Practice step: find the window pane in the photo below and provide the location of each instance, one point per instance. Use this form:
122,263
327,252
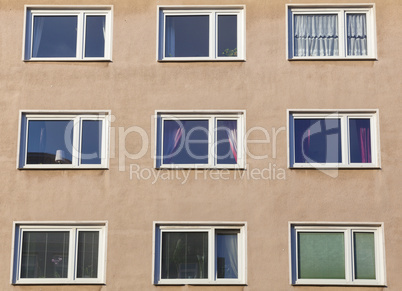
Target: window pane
185,142
88,252
50,142
95,36
44,254
360,140
227,257
91,147
227,35
54,36
321,255
316,35
356,34
364,255
187,36
318,141
184,255
226,143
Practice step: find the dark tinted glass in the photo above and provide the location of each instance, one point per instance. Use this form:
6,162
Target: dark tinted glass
91,147
54,36
317,141
95,36
184,255
360,140
44,254
187,36
50,142
227,35
88,252
226,142
185,142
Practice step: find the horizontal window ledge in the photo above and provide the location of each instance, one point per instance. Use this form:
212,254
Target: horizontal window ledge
200,168
63,168
336,167
333,59
68,60
200,60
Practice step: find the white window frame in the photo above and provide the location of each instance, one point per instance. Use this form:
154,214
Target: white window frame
348,228
73,228
344,116
213,12
212,117
341,10
77,117
212,228
67,10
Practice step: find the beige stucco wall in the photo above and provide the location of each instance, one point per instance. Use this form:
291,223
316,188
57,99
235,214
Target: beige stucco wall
134,85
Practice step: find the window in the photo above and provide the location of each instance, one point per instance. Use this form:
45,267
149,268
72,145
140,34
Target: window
337,254
198,253
64,140
59,253
331,32
200,33
333,139
200,139
68,33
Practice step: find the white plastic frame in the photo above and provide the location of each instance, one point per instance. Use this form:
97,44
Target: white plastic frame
213,12
73,228
348,229
343,116
341,10
212,228
212,117
62,10
77,117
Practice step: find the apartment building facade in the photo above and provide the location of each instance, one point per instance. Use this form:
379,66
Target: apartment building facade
200,145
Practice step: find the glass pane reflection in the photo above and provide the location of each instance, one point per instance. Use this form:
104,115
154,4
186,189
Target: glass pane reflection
50,142
54,36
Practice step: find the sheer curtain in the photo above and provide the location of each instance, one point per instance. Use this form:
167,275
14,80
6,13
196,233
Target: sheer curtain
227,256
170,38
231,130
316,35
356,34
37,34
172,138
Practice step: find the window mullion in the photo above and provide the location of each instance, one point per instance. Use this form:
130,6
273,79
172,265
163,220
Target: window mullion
212,141
211,254
345,140
80,35
212,34
342,33
77,142
349,256
71,255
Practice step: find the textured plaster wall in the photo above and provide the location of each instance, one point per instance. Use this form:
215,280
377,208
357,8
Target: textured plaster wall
134,85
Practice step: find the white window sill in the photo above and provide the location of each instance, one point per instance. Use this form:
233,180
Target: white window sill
64,167
365,58
228,59
334,167
68,60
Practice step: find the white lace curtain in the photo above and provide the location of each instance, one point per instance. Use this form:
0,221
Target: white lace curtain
318,35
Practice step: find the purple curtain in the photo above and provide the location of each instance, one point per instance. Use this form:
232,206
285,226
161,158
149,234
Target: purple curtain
365,150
